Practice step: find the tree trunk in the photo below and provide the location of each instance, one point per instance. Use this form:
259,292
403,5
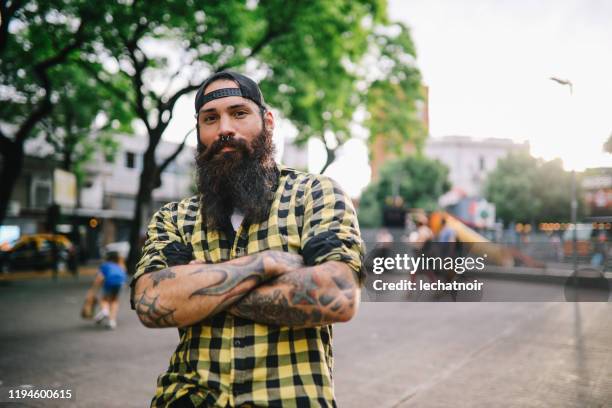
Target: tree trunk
331,156
142,207
12,163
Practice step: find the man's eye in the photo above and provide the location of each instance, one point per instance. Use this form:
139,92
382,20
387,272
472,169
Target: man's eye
208,119
240,114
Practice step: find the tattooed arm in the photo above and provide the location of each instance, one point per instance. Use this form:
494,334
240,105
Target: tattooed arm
305,297
183,295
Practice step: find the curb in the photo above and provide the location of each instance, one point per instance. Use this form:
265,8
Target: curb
46,274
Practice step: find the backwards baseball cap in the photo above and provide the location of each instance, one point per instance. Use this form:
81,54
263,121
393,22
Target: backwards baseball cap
247,88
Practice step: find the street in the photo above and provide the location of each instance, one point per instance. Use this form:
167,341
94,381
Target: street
390,355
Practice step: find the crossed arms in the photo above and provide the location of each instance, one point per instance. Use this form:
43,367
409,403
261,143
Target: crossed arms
271,287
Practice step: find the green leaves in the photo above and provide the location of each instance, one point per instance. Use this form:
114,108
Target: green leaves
392,100
419,181
528,190
116,62
607,147
309,79
145,55
511,188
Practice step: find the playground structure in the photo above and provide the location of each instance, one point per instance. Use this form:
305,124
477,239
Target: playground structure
479,245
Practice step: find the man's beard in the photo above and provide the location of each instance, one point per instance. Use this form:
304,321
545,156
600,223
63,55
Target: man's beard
244,179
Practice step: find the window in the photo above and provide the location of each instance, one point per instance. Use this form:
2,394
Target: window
25,246
41,192
130,160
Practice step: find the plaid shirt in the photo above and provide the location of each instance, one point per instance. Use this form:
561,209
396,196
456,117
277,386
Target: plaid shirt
230,361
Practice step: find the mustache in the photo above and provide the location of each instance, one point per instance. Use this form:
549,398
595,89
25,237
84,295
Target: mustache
221,143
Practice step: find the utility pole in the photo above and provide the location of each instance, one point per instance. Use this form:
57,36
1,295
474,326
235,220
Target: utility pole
574,201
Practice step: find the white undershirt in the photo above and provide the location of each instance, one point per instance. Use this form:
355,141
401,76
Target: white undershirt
236,219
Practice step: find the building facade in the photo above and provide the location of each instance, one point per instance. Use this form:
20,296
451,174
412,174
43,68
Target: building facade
105,204
470,160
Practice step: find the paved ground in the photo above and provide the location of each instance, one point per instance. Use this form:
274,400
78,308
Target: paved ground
391,355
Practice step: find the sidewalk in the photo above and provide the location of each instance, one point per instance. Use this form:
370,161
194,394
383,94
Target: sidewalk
89,269
422,354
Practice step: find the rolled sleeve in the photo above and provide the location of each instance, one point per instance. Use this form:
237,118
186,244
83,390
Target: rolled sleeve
330,229
164,246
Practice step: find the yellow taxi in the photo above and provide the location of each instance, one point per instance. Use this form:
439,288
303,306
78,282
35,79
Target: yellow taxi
36,252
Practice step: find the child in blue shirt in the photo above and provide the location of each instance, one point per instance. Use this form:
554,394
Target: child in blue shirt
111,278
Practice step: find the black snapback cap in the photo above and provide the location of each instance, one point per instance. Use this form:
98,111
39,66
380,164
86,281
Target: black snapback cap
247,88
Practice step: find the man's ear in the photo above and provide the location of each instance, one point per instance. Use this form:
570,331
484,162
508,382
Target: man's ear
269,120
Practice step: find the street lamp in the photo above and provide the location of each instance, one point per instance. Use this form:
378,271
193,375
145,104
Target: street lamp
574,202
564,82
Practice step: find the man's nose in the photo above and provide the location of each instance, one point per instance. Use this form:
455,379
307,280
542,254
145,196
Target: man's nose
226,126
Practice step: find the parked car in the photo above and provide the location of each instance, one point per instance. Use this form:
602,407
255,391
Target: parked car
36,252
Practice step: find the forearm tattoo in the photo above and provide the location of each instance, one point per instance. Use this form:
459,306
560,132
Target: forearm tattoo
223,281
301,298
273,308
159,276
229,275
152,314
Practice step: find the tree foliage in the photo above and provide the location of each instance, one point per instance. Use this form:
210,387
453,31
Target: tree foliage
316,84
608,145
418,180
392,99
38,44
300,47
99,66
528,190
77,130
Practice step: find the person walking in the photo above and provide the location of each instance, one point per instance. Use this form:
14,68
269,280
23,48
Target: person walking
110,279
421,240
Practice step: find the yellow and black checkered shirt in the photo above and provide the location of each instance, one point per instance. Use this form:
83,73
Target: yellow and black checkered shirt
230,361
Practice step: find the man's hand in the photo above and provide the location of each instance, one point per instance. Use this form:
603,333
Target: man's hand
275,263
303,297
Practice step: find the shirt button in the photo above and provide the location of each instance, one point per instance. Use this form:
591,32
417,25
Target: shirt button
237,343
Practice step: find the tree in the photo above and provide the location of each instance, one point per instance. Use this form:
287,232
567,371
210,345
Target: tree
608,145
38,41
418,180
511,188
84,121
553,187
527,190
317,85
144,58
381,77
392,98
301,46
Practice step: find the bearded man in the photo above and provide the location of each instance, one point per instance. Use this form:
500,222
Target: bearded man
253,270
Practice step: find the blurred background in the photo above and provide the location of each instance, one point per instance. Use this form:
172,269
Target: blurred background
494,116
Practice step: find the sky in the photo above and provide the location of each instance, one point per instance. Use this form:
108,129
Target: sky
488,66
